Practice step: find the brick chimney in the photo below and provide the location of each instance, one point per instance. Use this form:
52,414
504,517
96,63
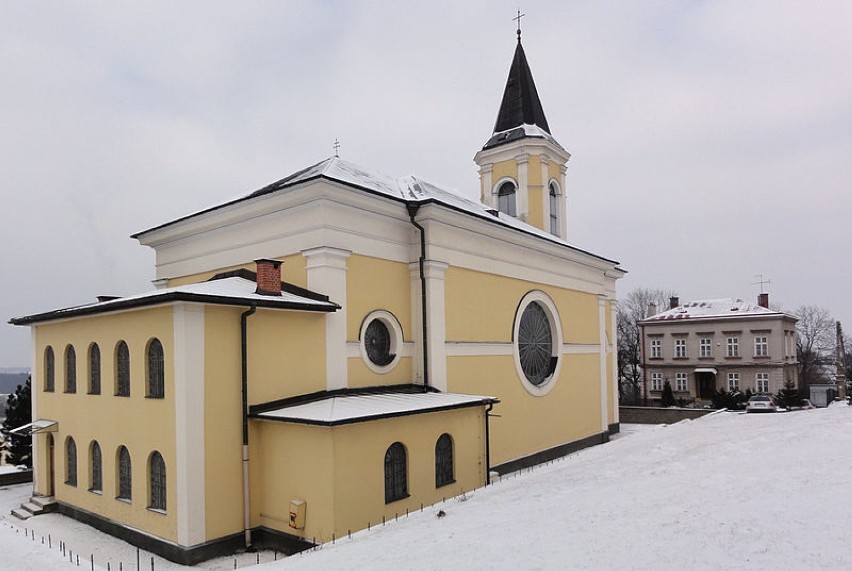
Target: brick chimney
652,309
674,301
268,277
763,300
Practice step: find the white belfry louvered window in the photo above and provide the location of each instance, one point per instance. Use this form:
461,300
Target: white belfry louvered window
506,199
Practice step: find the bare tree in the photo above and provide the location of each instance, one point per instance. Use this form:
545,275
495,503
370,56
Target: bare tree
815,344
632,309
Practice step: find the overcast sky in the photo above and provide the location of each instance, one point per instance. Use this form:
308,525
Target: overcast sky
711,141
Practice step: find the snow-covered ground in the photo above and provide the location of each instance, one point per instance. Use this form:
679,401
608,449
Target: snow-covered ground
728,491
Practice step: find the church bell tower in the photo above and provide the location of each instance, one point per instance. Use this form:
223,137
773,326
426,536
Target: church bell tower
522,167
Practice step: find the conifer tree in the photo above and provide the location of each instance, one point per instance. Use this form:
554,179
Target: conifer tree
19,413
788,396
667,398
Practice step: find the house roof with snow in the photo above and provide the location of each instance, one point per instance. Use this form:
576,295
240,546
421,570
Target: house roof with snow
237,288
707,309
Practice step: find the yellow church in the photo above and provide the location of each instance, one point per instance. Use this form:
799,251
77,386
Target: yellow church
333,349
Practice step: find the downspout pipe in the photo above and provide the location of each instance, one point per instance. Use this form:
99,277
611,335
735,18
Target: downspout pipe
244,354
413,208
488,444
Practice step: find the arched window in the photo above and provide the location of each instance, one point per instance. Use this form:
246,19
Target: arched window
122,370
49,368
554,210
94,369
124,474
156,369
444,461
70,462
506,199
396,473
157,482
95,467
70,369
535,343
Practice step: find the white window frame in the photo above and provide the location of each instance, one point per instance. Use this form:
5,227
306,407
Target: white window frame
706,347
656,349
761,346
681,382
733,344
733,382
680,348
761,379
656,381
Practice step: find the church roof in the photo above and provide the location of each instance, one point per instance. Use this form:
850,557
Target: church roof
521,113
226,291
360,405
408,189
722,308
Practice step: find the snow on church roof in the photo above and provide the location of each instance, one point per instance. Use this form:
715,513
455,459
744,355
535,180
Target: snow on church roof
713,309
339,409
225,291
410,189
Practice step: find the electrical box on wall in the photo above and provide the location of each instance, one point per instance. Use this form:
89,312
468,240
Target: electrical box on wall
297,514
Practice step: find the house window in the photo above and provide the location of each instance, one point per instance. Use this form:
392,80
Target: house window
656,381
122,370
681,382
70,369
762,382
49,369
680,348
156,370
506,199
396,473
124,474
656,349
733,346
70,462
94,369
733,382
157,478
96,467
761,347
554,210
444,461
706,346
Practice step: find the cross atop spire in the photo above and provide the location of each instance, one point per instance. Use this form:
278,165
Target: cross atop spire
518,20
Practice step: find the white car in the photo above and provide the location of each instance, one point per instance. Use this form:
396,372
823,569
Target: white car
760,403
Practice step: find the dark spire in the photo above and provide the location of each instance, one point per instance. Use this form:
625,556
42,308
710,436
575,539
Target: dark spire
521,104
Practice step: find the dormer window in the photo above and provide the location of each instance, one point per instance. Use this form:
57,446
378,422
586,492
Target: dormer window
506,199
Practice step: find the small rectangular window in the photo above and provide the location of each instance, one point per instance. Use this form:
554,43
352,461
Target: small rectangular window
656,349
733,346
733,382
761,347
706,345
680,348
656,381
762,382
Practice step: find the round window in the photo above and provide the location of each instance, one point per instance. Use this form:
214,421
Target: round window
535,345
377,343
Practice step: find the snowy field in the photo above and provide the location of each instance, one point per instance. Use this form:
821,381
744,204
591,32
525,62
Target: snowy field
728,491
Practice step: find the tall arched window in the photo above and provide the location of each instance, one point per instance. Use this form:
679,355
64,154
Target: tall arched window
444,461
396,473
96,467
506,199
124,473
94,369
554,210
70,369
122,370
49,369
156,369
70,462
157,482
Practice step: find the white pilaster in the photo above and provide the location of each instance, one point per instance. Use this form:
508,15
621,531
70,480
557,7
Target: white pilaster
416,322
436,322
326,269
563,203
613,356
35,385
523,197
486,191
602,353
188,351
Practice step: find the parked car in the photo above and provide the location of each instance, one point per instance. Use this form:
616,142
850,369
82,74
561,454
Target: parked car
760,403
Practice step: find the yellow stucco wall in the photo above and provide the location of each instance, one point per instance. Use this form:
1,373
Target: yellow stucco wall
141,424
339,471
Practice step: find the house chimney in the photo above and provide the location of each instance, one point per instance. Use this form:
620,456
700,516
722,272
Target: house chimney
268,277
652,309
674,301
763,300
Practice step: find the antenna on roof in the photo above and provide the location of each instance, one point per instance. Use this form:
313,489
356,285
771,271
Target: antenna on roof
518,19
761,282
336,147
